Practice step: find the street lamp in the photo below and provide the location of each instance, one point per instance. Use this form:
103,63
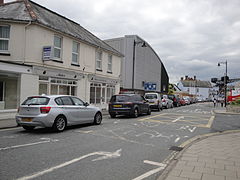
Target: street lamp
143,44
225,82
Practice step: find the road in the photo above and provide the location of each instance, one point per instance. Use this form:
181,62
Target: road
121,148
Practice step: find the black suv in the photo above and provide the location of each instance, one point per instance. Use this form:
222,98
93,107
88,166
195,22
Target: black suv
128,104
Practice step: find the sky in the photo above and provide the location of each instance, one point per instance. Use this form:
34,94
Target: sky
190,36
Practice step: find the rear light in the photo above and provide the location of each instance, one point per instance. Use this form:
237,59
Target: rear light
128,103
163,100
174,99
45,110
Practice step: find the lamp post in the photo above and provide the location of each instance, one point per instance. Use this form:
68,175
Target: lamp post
134,58
225,82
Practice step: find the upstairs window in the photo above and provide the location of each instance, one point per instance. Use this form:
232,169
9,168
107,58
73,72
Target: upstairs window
75,52
4,38
99,60
57,47
109,64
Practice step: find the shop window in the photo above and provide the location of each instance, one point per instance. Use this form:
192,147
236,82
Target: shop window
92,95
43,89
98,95
64,90
4,38
54,89
1,91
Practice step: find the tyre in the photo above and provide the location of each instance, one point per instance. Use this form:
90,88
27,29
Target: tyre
113,115
135,113
60,124
149,111
98,118
28,128
158,108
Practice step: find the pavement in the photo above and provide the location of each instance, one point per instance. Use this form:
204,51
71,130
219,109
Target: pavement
214,156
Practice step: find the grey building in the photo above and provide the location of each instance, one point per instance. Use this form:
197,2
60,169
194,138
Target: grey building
142,70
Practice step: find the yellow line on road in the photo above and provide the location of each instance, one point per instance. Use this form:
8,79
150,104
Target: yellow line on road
210,121
152,117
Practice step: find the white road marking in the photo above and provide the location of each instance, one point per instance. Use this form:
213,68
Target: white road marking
177,139
161,166
105,155
179,118
192,130
9,129
46,140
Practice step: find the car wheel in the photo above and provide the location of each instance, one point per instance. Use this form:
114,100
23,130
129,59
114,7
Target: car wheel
135,113
167,106
113,115
98,118
28,128
158,108
60,124
149,111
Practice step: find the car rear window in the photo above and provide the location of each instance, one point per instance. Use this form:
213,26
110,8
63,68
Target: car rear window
151,96
120,99
36,101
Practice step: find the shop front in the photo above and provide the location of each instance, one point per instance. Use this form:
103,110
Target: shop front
102,89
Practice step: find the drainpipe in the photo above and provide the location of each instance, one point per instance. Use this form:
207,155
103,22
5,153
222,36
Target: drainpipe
25,40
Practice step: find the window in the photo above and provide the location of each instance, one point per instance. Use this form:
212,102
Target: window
4,38
1,91
57,47
77,101
66,101
99,61
109,63
36,101
75,52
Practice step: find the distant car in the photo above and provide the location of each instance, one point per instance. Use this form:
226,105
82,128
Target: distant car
182,102
175,99
187,100
166,102
155,100
128,104
56,111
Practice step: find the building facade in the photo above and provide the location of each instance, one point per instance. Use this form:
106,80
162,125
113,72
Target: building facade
42,52
197,88
142,69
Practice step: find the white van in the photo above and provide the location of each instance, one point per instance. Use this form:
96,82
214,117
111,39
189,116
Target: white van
154,100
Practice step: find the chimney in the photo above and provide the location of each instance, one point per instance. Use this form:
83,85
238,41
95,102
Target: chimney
186,77
195,78
1,2
181,78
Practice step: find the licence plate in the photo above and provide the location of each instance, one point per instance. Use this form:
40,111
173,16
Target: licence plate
151,102
27,119
117,105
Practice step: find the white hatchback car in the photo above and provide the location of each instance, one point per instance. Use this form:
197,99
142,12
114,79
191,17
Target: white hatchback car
155,100
56,111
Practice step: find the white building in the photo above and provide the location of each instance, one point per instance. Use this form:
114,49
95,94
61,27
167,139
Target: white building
42,52
196,88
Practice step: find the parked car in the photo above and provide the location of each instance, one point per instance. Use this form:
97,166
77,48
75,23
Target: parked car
175,99
128,104
56,111
166,102
187,100
182,102
155,100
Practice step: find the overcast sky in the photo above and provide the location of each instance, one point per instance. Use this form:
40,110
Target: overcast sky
190,36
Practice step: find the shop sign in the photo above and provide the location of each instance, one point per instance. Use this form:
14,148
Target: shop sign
47,53
149,86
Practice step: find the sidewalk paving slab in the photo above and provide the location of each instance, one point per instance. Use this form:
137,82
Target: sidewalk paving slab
214,157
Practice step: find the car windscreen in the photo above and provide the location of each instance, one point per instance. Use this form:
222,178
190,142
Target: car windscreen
120,99
151,96
36,101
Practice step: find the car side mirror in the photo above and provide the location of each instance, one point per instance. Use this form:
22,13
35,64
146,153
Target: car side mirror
86,104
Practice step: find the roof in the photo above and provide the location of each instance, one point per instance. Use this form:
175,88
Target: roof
26,10
196,83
